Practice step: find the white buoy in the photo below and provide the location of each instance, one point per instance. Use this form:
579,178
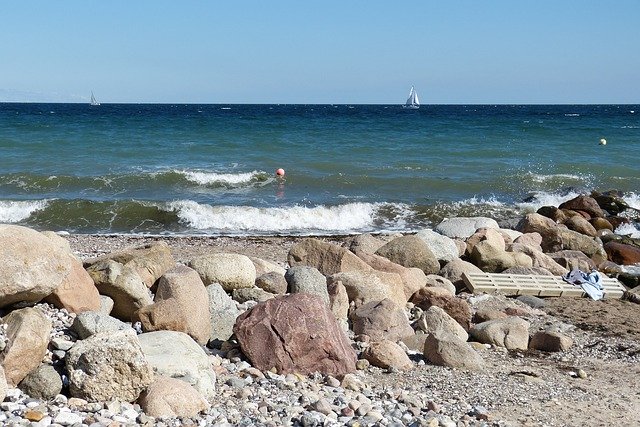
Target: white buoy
603,141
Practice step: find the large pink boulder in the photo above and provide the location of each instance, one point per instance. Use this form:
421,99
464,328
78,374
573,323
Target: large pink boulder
295,333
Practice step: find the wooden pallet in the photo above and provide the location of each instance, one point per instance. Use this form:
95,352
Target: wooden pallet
538,285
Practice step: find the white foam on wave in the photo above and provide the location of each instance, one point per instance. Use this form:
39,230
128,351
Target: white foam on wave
632,199
16,211
542,198
572,115
628,230
298,219
540,178
208,178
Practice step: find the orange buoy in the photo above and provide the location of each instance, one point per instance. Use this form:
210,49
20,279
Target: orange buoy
280,172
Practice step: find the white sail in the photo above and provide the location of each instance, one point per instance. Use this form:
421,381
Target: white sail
412,101
94,101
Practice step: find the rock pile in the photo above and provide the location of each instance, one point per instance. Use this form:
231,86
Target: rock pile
134,337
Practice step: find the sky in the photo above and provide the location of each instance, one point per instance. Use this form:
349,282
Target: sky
348,51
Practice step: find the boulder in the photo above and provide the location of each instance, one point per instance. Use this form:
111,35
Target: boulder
263,267
338,301
509,235
601,224
91,322
495,260
539,259
572,240
455,307
123,284
222,313
546,227
511,333
243,295
387,354
170,397
461,228
381,320
3,385
295,333
148,262
272,282
453,271
365,243
176,355
448,350
231,271
364,287
442,247
108,366
538,271
415,342
572,260
42,383
77,293
552,212
306,279
436,321
410,251
550,341
585,204
33,265
412,278
533,240
181,304
435,281
611,201
27,334
106,304
328,258
490,235
581,225
622,254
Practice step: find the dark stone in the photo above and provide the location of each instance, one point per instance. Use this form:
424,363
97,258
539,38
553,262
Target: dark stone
584,203
622,254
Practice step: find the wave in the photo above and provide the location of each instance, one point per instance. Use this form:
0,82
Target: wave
550,178
629,230
16,211
233,179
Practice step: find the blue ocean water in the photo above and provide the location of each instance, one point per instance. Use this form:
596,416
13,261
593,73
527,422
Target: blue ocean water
209,169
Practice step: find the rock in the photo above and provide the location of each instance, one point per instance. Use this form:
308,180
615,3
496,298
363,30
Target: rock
77,293
306,279
170,397
272,282
572,240
410,251
387,354
416,341
530,239
91,322
436,321
176,355
364,287
365,243
27,336
572,260
33,265
243,295
581,225
265,267
338,301
64,418
532,301
495,260
3,384
462,228
583,203
447,350
381,320
231,271
546,227
453,271
509,235
490,235
294,333
621,253
412,278
42,383
485,314
181,304
106,304
601,224
148,262
539,271
222,313
108,366
552,212
511,333
550,341
123,284
435,281
539,259
326,257
442,247
455,307
610,201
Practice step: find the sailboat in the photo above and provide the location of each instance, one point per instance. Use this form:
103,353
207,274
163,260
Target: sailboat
94,101
412,102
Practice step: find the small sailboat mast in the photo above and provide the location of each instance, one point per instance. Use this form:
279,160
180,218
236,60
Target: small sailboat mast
412,101
94,101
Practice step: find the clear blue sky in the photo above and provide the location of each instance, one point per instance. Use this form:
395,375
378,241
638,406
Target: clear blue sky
321,51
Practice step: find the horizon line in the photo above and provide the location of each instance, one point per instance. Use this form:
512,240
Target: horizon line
303,103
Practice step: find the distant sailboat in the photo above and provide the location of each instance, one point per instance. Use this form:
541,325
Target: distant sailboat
94,101
412,102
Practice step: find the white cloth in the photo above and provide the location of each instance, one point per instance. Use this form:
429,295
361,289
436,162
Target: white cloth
591,283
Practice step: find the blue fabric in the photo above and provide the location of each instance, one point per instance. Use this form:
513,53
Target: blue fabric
591,283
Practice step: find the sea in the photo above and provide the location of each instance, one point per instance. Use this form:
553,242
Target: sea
187,169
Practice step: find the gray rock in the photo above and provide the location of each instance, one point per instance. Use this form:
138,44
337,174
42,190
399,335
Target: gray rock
42,383
454,270
91,322
532,301
551,341
443,247
410,251
462,228
436,321
3,384
223,313
272,282
307,279
231,271
381,320
447,350
251,294
511,333
435,281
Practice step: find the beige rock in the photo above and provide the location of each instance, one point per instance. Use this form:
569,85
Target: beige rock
231,271
447,350
365,243
410,251
495,260
326,257
387,354
338,300
581,225
511,333
490,235
363,287
436,321
412,278
530,239
539,258
551,341
381,320
181,304
263,267
3,384
435,281
453,271
77,293
27,332
272,282
170,397
455,307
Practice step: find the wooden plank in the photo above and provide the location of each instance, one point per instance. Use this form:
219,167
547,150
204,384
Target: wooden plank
537,285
